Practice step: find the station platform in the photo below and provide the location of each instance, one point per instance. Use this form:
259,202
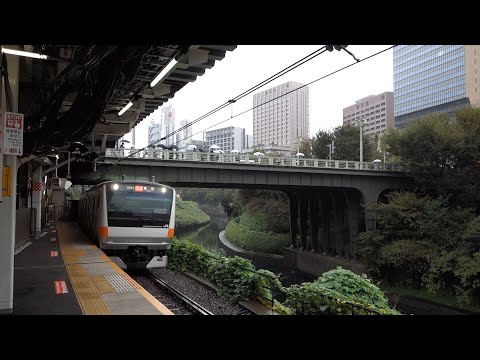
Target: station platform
63,273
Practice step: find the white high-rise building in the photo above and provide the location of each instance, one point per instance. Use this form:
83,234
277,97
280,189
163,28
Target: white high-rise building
184,135
281,120
162,128
227,139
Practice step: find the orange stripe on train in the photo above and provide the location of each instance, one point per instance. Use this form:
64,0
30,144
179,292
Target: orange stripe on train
102,231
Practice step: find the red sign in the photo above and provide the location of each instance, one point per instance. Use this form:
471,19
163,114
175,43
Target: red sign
14,121
61,287
53,253
13,134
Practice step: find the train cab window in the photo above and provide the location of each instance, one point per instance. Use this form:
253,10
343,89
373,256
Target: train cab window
138,205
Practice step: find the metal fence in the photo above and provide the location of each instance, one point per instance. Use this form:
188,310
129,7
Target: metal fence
167,155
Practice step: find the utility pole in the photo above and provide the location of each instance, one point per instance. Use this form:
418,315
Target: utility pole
331,148
361,123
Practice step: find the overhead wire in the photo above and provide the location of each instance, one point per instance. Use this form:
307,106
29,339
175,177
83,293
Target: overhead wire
238,97
311,82
254,88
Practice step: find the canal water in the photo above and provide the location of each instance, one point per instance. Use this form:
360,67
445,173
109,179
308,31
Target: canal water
207,236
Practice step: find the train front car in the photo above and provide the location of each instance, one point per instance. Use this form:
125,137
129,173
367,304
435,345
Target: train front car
140,222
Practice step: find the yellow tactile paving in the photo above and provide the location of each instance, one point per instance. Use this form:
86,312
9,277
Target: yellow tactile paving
88,295
103,285
88,289
160,307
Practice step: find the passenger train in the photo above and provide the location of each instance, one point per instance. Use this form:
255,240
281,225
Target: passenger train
133,222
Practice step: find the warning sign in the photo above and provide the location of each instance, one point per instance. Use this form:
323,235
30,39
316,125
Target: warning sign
61,287
13,134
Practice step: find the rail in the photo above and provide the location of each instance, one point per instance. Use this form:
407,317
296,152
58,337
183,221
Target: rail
168,155
185,299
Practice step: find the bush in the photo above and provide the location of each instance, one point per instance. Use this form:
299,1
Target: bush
233,275
421,241
188,214
338,292
268,243
406,261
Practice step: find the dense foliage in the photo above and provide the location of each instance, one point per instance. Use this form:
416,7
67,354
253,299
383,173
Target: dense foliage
264,242
211,197
424,241
347,144
338,292
188,214
261,222
335,292
431,238
234,276
443,155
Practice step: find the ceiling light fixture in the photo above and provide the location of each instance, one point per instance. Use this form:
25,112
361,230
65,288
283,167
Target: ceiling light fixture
128,106
165,71
24,53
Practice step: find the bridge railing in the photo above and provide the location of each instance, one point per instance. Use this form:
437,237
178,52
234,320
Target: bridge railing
159,154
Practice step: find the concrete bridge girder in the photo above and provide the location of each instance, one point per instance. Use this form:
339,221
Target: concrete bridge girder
328,207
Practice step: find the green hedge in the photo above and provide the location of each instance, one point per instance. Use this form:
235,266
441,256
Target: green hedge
188,214
233,275
335,292
268,243
265,222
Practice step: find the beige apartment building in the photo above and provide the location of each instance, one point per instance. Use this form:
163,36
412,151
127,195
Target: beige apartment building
375,110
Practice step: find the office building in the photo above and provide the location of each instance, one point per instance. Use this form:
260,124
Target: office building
434,79
281,116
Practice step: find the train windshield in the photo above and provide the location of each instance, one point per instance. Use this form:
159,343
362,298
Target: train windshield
138,205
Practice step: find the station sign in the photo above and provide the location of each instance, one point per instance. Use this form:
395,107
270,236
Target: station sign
12,134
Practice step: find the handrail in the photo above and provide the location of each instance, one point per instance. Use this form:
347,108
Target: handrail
168,155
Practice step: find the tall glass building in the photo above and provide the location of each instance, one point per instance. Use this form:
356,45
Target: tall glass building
433,78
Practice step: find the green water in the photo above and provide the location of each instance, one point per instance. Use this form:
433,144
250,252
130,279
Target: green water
207,235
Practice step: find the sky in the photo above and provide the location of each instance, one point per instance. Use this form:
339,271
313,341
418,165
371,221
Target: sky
249,65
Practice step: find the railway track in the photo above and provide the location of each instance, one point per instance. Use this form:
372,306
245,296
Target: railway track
173,299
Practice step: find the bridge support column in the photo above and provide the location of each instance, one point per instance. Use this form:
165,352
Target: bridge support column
370,216
354,217
293,202
303,205
338,209
325,221
313,205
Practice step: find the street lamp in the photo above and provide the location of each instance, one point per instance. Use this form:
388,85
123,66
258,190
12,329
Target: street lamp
331,149
361,123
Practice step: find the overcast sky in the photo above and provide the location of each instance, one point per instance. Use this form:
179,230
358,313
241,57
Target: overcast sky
248,65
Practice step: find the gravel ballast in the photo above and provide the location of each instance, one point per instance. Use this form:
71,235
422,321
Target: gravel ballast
197,292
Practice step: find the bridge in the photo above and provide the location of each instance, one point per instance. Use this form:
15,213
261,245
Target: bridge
331,201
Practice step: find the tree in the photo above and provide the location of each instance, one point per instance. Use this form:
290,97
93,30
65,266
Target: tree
319,144
442,155
347,144
306,147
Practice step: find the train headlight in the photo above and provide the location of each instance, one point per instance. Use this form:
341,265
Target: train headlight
164,190
115,186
